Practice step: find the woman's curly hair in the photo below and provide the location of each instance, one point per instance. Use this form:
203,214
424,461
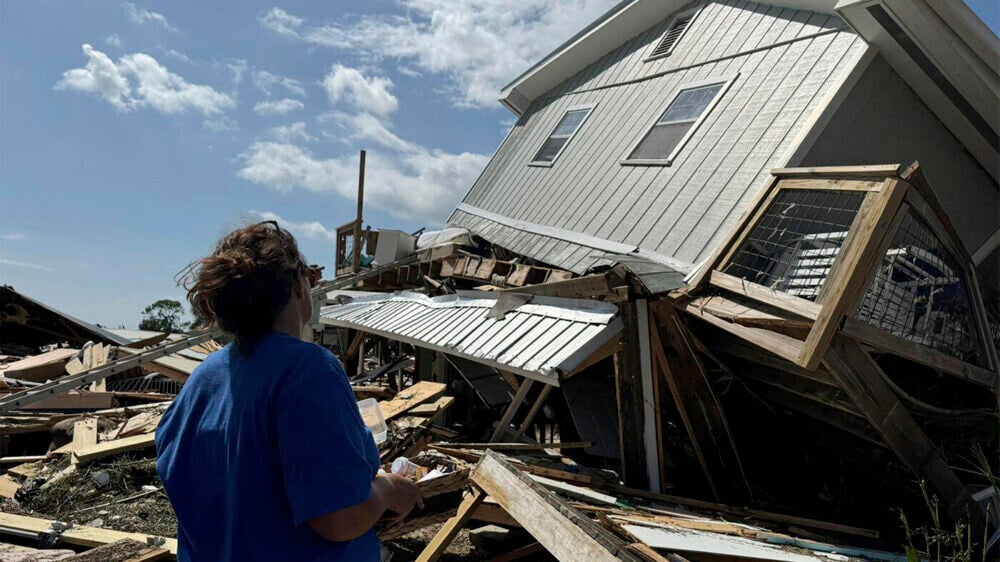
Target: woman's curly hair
246,281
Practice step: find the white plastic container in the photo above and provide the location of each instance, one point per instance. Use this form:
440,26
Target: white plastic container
372,416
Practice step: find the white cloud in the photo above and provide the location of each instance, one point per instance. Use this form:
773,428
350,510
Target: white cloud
14,236
478,45
142,15
154,85
239,68
312,229
173,53
114,41
277,107
220,124
267,82
421,184
347,84
23,264
292,133
281,21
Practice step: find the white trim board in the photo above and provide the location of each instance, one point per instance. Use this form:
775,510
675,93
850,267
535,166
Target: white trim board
577,238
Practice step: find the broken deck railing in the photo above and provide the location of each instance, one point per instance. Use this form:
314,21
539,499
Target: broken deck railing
866,250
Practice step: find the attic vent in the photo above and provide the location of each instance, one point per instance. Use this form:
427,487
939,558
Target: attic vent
673,34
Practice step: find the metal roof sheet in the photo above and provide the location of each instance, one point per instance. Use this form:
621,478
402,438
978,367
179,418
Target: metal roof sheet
539,339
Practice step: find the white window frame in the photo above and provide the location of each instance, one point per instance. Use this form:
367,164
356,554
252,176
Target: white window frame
587,106
669,160
694,15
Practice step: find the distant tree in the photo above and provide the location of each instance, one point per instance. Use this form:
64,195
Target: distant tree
163,315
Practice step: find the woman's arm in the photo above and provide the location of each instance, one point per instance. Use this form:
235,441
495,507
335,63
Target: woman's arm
392,492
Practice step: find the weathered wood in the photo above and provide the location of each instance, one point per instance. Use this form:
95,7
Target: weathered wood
443,538
779,299
853,268
115,447
867,171
352,350
491,512
919,353
864,381
581,287
81,536
508,415
628,395
697,405
406,399
8,486
831,184
20,459
565,532
781,345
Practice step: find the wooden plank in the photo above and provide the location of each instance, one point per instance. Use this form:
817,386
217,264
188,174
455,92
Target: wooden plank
581,287
919,353
628,395
864,381
81,536
450,529
38,368
19,459
352,350
697,405
535,408
8,486
491,512
84,436
565,532
406,399
74,401
432,408
853,268
779,299
830,184
779,344
868,171
512,408
115,447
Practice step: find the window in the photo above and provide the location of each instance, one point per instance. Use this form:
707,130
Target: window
673,128
557,141
672,35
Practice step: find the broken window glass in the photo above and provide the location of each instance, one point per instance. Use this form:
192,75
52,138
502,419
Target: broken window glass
795,243
919,294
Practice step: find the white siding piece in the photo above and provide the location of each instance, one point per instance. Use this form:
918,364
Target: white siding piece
681,540
533,359
537,332
511,334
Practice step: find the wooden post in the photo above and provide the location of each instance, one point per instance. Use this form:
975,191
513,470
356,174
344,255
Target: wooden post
356,263
628,393
697,405
863,380
508,414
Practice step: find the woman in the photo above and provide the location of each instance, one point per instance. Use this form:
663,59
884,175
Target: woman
263,453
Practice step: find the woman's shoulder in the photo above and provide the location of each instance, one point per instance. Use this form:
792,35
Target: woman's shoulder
307,354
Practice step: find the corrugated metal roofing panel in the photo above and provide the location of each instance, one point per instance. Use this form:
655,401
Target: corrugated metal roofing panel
540,339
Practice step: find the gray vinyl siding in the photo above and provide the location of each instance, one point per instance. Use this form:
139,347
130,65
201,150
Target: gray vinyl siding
882,121
681,210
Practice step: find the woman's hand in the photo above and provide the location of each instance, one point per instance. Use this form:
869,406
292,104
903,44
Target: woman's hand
401,495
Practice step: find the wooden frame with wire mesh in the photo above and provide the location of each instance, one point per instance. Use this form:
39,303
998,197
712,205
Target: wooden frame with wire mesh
866,250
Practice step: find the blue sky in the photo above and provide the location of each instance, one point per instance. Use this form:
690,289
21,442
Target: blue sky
133,134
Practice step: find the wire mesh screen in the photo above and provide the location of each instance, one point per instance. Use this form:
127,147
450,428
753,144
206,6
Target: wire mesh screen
795,243
919,294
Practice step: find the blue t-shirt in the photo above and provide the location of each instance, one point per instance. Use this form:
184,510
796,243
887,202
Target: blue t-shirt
255,446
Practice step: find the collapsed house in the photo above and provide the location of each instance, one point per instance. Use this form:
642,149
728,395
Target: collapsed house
699,304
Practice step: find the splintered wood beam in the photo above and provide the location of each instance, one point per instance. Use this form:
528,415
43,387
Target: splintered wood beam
863,380
352,350
568,534
508,415
628,394
450,529
697,405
